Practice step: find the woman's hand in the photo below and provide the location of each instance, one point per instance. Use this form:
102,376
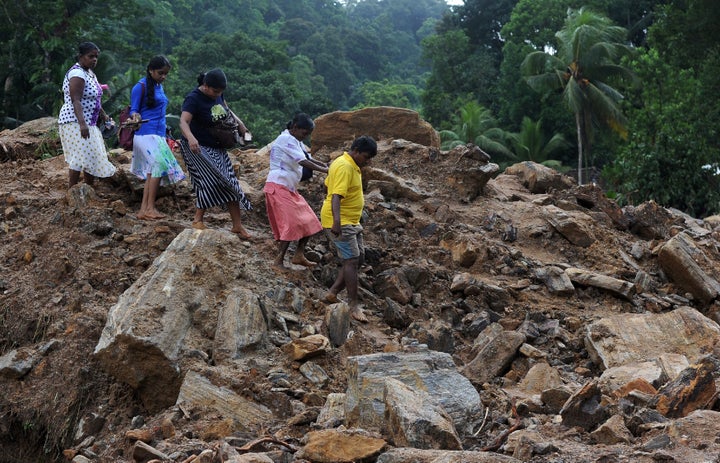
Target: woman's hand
84,129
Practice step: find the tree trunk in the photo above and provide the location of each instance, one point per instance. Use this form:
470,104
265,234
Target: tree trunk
578,126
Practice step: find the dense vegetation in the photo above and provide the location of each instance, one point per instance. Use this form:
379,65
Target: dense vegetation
622,87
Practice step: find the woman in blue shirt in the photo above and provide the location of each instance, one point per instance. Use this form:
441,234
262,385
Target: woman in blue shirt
152,159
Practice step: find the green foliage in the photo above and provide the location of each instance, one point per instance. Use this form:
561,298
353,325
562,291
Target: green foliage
476,124
531,144
586,69
386,93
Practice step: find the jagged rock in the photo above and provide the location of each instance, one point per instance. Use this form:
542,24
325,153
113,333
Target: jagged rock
242,323
142,452
338,129
649,220
556,280
574,226
251,458
555,397
494,355
469,181
614,378
407,455
80,195
520,443
585,408
393,283
392,186
314,373
437,335
198,391
395,315
465,251
540,377
497,298
337,320
693,389
677,258
307,347
413,419
19,362
332,414
629,338
613,431
336,446
621,288
429,371
538,178
700,426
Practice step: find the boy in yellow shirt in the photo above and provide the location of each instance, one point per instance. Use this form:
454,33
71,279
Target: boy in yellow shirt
340,218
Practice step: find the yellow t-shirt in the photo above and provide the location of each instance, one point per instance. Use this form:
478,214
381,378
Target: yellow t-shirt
343,179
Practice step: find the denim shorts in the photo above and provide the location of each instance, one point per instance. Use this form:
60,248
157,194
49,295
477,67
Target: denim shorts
349,244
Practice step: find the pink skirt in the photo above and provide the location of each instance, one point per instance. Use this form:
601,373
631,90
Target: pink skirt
290,216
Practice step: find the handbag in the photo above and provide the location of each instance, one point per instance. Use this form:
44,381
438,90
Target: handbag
307,172
226,132
126,133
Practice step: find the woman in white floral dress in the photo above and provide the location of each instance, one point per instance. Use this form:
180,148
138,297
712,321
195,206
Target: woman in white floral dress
82,141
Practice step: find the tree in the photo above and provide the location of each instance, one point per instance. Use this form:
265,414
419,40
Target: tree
531,144
585,69
476,124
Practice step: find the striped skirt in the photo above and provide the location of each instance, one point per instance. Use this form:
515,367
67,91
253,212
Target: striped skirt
212,176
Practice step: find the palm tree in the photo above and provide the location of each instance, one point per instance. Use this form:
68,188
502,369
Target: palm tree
476,125
585,68
530,143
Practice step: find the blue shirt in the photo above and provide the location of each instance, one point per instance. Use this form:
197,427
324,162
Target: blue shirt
156,114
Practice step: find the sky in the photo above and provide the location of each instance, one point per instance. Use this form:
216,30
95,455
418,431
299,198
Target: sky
454,2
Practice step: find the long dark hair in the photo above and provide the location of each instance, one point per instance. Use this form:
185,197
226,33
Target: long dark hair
85,48
157,62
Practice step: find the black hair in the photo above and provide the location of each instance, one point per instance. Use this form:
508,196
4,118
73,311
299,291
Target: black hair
301,121
156,62
86,47
215,78
365,144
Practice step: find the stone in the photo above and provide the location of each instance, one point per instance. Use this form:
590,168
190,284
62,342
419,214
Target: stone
584,408
142,452
337,320
615,378
314,373
677,258
198,391
631,338
413,419
699,426
242,323
393,283
613,431
649,220
538,178
337,446
391,186
337,130
494,357
574,226
616,286
409,455
693,389
307,347
540,377
332,413
420,368
469,182
556,280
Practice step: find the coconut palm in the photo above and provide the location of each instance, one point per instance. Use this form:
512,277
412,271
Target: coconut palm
531,144
476,125
585,68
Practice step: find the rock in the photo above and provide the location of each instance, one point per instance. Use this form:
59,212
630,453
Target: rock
198,391
332,414
242,323
556,280
616,286
630,338
413,419
469,182
700,426
497,298
436,334
584,408
493,357
649,220
391,186
337,320
408,455
393,283
425,370
615,378
677,258
338,129
142,452
156,316
335,446
395,315
538,178
574,226
540,377
693,389
314,373
465,251
307,347
613,431
80,196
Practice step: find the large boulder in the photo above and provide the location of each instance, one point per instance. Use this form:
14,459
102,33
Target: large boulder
338,129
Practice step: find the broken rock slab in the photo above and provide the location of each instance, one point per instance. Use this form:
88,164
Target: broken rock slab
678,258
198,391
407,455
616,286
693,389
631,338
495,353
340,446
413,419
420,368
165,311
539,178
575,226
242,323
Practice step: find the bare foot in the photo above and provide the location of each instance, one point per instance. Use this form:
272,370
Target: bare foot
329,298
358,314
302,260
243,234
199,226
143,216
155,214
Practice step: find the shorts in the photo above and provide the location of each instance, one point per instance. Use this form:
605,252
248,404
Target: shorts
349,244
